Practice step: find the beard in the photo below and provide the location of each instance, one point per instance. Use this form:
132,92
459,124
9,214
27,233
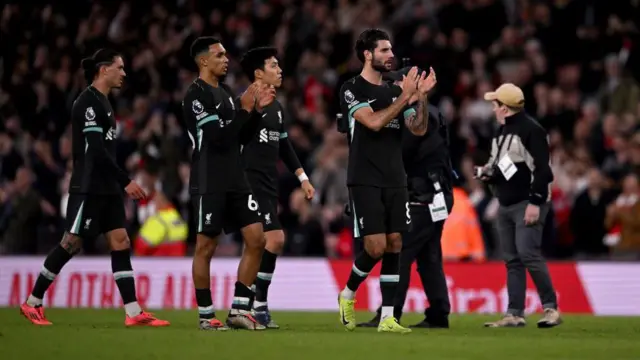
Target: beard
379,66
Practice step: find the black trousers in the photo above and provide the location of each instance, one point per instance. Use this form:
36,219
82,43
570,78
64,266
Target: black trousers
422,244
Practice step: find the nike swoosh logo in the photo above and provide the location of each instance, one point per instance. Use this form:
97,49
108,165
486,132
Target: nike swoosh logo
342,318
371,101
264,115
108,114
217,106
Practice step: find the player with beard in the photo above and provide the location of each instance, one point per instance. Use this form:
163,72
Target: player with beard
96,202
376,177
261,155
221,195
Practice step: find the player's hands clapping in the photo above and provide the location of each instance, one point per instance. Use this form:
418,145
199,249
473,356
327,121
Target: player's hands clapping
427,83
265,95
258,96
249,98
135,191
410,82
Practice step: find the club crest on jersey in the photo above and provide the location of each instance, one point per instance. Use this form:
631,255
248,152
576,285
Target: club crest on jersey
197,107
90,114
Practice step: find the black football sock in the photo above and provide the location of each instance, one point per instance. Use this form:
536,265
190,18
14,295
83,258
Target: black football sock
389,278
361,268
267,267
54,262
242,297
205,305
123,274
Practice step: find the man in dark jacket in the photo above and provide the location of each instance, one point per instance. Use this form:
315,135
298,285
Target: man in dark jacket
520,175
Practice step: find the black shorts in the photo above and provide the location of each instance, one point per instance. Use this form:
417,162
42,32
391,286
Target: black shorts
90,215
268,211
379,210
228,211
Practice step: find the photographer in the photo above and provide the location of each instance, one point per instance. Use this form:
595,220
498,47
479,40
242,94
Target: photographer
519,174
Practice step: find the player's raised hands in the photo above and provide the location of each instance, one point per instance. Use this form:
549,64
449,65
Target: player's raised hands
135,191
249,98
265,94
410,82
427,83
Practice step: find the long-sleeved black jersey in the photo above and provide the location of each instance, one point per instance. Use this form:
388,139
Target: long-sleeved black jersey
265,147
93,128
214,123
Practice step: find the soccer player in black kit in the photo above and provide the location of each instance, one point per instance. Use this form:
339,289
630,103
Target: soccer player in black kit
430,183
96,201
261,155
376,177
221,195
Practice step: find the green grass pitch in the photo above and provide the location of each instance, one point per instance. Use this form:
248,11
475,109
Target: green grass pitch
86,334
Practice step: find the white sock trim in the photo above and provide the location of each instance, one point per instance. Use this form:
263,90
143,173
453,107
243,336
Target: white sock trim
33,301
265,276
205,309
122,274
348,293
358,271
48,274
389,278
238,300
387,311
132,309
258,304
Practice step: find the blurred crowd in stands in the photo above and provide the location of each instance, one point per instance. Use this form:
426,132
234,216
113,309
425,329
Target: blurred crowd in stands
578,62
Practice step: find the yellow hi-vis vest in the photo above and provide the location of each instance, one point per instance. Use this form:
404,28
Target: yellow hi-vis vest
166,226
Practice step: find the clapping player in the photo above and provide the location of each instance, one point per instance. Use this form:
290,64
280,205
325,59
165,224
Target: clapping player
221,195
376,177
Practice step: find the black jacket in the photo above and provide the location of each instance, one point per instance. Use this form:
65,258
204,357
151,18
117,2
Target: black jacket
525,141
426,159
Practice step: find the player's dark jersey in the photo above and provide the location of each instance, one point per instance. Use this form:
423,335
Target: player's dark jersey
214,121
262,152
375,158
93,128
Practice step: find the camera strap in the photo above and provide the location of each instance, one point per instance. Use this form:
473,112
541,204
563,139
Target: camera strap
500,145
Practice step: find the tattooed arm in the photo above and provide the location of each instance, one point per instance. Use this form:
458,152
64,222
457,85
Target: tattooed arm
416,121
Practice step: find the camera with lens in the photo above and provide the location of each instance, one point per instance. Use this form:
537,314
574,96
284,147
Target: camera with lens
487,174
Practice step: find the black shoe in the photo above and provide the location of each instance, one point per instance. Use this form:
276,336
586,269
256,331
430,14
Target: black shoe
425,324
373,323
263,316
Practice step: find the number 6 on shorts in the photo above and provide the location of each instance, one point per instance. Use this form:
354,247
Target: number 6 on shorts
252,204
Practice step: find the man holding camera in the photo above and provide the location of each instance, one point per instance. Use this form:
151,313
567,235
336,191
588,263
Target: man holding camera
520,176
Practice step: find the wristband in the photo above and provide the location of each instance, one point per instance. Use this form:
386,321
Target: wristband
303,177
